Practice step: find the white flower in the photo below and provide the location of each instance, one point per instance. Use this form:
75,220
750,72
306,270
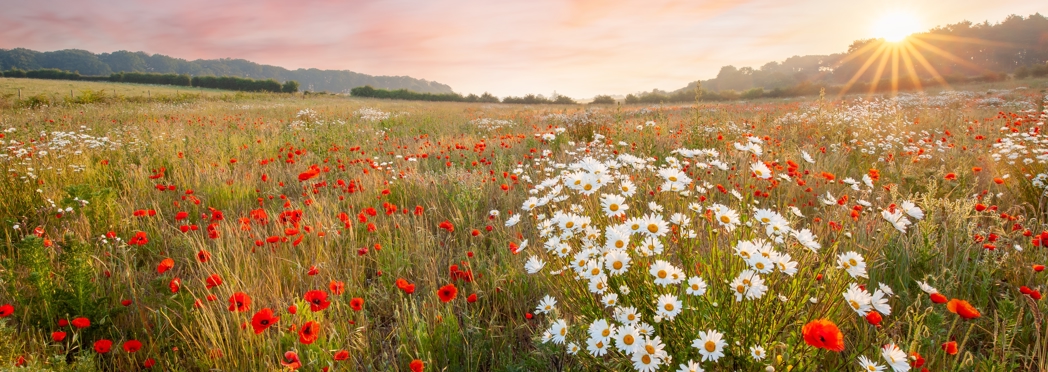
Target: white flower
761,170
807,157
897,219
534,265
896,358
912,210
690,366
927,288
614,205
513,220
807,239
559,330
853,263
573,348
869,365
879,301
548,304
617,262
858,299
627,339
757,352
668,306
710,344
665,273
597,347
600,329
696,286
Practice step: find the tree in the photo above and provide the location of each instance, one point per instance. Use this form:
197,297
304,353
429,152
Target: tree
290,86
603,100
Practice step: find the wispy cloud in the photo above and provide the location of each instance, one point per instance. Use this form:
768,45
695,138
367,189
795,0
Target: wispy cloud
577,47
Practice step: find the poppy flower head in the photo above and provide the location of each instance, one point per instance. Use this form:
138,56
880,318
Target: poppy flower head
309,332
317,300
291,360
950,347
81,323
132,346
823,334
103,346
356,303
263,319
239,302
416,366
58,336
447,293
6,310
962,308
341,355
165,265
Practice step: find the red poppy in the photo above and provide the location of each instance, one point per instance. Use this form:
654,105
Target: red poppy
165,265
950,347
962,308
309,332
132,346
416,366
823,334
918,360
174,285
341,355
139,238
874,318
58,336
356,303
263,319
6,310
1038,268
103,346
938,298
203,256
213,281
81,323
337,288
405,286
308,174
317,300
472,298
446,225
291,360
239,302
149,363
447,293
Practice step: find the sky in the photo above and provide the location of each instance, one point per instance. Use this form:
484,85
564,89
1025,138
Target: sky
577,48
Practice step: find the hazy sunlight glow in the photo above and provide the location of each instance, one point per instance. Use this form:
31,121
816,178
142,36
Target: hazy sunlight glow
895,27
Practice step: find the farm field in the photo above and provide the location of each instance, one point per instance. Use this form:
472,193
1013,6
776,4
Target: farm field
259,232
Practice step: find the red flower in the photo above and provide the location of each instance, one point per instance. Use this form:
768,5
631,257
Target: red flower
341,355
416,366
472,298
309,332
938,298
291,360
58,336
103,346
918,360
823,334
1038,268
139,238
203,256
262,320
132,346
213,281
950,347
317,300
405,286
165,265
149,363
446,225
962,308
874,318
6,310
447,293
308,174
356,303
239,302
81,323
337,288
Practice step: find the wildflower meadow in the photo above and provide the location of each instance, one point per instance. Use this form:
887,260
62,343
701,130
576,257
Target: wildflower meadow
323,233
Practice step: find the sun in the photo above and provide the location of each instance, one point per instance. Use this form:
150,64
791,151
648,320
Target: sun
896,26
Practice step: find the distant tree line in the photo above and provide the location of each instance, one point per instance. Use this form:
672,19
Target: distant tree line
105,64
404,94
222,82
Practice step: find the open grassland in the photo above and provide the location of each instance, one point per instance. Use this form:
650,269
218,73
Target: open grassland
266,232
38,92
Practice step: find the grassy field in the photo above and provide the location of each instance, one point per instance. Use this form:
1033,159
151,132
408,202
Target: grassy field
244,232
